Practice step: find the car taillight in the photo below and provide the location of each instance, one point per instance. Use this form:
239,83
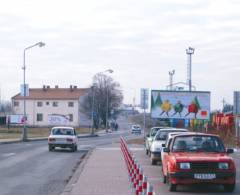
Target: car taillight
69,140
52,139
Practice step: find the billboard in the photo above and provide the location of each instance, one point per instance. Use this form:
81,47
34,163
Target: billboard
57,119
15,119
236,102
180,104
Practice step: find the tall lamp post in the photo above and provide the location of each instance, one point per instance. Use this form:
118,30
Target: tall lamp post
189,52
24,133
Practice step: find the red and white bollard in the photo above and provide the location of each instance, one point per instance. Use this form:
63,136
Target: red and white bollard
144,185
150,190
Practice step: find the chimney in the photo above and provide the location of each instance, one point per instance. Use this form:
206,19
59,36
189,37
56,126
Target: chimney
48,87
56,86
44,88
75,87
71,88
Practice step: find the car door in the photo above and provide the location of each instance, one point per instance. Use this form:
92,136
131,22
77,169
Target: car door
165,157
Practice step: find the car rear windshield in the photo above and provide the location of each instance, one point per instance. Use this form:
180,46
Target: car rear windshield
62,131
198,143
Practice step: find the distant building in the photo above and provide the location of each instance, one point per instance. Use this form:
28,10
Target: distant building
44,102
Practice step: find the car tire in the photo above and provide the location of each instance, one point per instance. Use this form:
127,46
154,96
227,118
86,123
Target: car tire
76,148
229,187
153,162
164,179
147,152
50,148
171,187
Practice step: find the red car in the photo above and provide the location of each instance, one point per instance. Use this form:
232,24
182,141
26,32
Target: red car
198,158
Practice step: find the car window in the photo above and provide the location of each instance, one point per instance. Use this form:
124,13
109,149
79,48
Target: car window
62,131
154,131
197,143
161,135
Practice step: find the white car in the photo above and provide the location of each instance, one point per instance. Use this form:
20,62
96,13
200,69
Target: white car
63,137
158,140
150,136
136,129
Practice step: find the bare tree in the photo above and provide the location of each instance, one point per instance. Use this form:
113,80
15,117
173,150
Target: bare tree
107,99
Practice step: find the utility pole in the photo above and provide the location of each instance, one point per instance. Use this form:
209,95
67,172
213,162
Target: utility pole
190,52
171,73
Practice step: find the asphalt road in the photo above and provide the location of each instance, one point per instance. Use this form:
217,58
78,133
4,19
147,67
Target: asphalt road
30,169
155,177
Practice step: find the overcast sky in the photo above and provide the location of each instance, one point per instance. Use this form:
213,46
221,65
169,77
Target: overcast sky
141,40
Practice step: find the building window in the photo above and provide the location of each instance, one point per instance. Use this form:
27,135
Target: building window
39,104
70,117
39,117
70,104
55,104
47,103
15,104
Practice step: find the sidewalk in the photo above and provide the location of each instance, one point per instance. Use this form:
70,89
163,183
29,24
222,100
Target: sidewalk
104,173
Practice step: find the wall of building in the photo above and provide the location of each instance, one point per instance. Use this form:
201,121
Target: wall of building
32,109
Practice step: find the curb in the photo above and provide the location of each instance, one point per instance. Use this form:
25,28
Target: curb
73,180
19,141
86,136
42,139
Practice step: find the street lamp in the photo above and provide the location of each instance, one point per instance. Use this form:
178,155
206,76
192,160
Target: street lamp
24,133
189,52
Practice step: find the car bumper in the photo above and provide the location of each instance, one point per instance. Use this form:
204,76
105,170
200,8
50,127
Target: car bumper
188,178
62,145
156,155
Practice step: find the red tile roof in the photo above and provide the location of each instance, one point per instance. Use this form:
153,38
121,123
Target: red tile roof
53,93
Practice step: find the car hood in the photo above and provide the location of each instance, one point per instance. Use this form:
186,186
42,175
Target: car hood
200,156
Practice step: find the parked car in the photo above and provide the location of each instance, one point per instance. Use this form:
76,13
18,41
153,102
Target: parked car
63,137
158,140
136,129
150,136
194,158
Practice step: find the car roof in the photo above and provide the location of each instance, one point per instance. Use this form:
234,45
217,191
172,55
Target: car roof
170,135
161,127
174,129
194,134
62,127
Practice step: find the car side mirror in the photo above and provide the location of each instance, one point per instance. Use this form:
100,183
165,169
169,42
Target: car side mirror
166,150
230,151
163,145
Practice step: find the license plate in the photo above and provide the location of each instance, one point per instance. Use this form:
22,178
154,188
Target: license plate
204,176
60,140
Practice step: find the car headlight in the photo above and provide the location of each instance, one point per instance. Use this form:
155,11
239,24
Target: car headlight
223,165
185,165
